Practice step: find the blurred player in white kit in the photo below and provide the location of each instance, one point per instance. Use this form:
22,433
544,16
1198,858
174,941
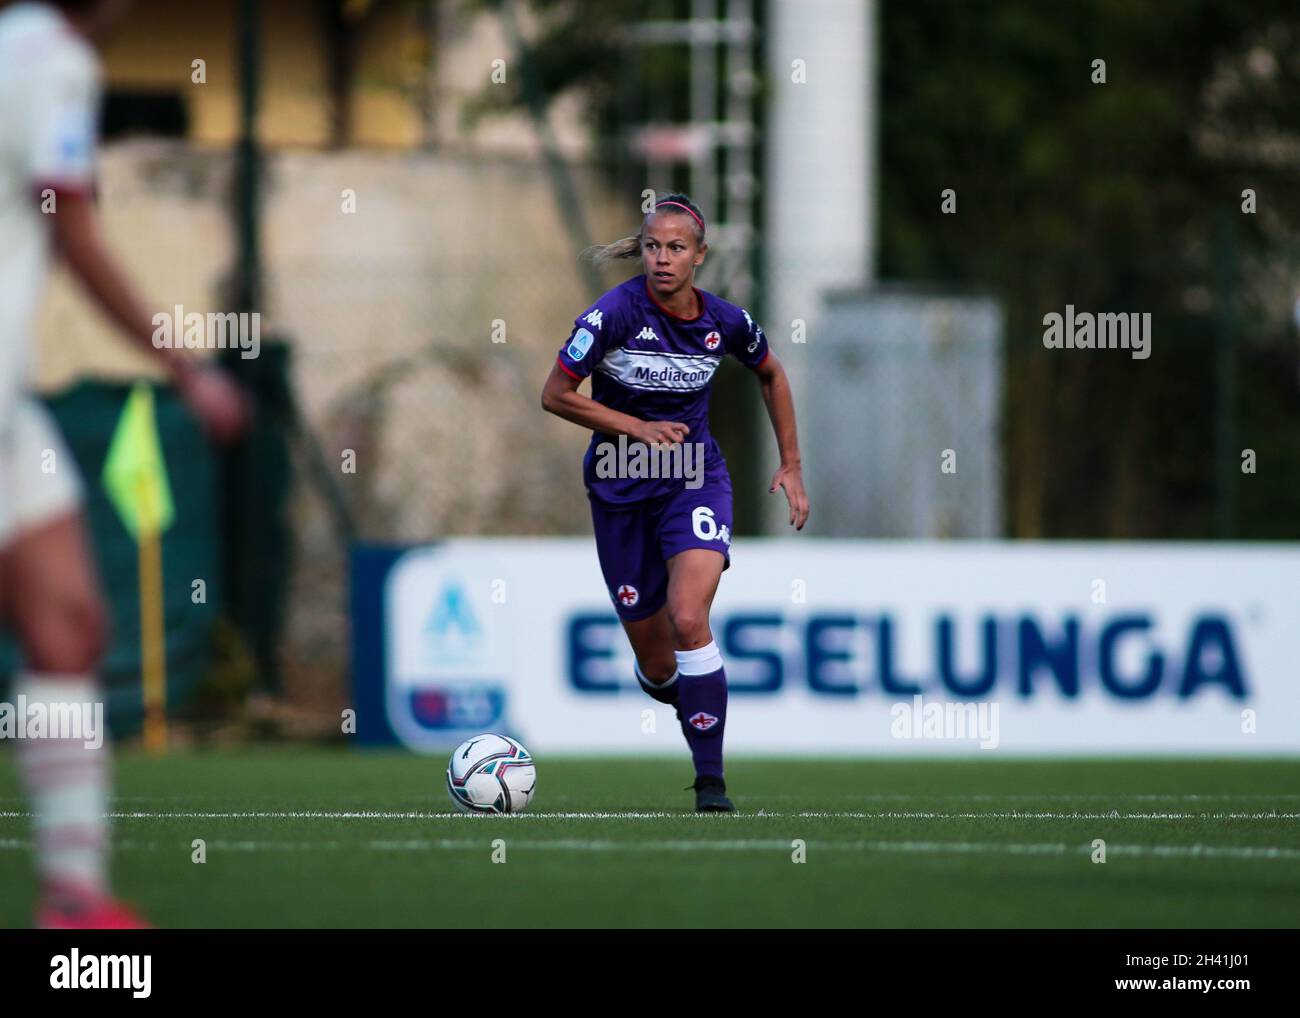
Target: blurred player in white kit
50,83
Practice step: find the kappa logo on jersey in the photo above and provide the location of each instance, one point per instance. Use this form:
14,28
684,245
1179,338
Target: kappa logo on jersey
647,333
580,344
712,340
701,722
627,595
596,317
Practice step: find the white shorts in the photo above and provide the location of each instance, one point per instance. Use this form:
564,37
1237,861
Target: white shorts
39,480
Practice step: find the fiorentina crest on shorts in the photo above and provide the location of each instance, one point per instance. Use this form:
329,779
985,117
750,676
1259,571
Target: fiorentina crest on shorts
701,722
627,595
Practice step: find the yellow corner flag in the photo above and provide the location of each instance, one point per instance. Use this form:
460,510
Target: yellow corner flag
135,473
135,477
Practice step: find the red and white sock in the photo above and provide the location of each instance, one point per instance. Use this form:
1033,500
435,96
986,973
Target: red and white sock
67,786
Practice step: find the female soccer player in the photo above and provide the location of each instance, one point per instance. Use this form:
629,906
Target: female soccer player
658,485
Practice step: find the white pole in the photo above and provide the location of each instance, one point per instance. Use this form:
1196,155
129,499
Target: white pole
820,186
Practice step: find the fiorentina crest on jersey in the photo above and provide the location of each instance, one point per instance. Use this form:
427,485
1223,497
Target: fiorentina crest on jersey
712,340
701,721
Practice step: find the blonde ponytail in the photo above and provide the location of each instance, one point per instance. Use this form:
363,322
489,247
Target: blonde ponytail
599,254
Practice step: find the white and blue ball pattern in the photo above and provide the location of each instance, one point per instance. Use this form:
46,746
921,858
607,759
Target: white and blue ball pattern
491,774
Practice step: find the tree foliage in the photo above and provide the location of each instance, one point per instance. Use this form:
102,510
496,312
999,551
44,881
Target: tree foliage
1122,196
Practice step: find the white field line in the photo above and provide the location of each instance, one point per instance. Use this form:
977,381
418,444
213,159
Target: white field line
632,815
1035,815
936,797
1063,797
776,846
1045,797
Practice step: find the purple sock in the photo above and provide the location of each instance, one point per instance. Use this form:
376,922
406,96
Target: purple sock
703,703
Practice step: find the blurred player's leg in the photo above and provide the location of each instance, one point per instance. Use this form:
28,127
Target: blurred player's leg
53,605
656,664
693,577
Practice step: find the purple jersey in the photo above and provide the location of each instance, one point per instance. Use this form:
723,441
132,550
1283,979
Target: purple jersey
649,363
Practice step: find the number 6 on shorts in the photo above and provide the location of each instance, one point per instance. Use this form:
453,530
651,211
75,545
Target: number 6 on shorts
703,523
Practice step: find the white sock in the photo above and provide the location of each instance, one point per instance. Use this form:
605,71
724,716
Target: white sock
67,785
701,661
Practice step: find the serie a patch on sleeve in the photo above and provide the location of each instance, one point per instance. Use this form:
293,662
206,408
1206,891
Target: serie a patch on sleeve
580,344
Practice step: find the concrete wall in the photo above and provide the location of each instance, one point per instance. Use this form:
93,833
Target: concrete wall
390,310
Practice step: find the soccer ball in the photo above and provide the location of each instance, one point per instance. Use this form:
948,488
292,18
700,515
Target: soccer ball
491,774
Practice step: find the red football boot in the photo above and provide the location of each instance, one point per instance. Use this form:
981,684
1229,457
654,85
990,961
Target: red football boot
61,909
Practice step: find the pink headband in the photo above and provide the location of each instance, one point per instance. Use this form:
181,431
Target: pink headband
681,206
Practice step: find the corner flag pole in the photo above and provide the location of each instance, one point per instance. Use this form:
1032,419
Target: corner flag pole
153,641
135,478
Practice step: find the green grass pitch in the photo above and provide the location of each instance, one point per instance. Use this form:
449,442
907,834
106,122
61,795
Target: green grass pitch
970,842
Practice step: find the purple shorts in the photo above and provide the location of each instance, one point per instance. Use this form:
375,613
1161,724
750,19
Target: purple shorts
635,542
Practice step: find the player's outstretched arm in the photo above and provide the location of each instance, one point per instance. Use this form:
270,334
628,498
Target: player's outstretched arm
561,397
775,387
215,400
